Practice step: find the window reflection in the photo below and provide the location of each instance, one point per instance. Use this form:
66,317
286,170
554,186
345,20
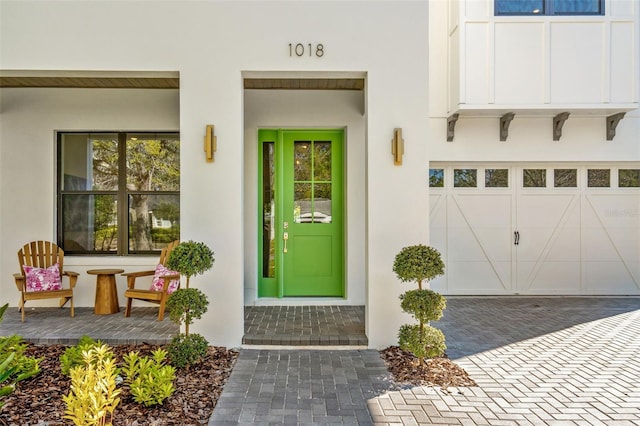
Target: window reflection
534,178
268,211
465,178
598,178
312,182
496,178
436,178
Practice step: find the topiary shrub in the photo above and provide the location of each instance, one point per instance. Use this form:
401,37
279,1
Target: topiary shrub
187,349
417,264
424,305
190,258
186,305
420,263
423,342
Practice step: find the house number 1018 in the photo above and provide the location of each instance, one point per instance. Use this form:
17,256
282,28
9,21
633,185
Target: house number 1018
310,49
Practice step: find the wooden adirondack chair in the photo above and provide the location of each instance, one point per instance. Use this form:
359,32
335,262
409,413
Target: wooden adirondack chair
43,254
148,295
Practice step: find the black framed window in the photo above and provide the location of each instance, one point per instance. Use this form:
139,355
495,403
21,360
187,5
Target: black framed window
118,193
549,7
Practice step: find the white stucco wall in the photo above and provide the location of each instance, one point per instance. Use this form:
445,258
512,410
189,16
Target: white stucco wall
210,44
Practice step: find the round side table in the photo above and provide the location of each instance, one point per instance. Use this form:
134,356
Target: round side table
106,291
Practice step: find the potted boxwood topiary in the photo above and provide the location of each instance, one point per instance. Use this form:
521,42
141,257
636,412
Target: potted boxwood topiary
420,263
186,305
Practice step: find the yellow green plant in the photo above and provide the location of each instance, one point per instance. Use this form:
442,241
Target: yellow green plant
149,378
93,396
72,356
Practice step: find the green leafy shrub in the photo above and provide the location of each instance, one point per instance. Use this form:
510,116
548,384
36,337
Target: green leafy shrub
149,378
190,258
418,263
424,305
187,349
423,342
186,305
15,366
93,397
73,357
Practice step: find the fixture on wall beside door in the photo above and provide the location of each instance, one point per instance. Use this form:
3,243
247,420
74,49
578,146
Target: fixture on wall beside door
397,146
210,143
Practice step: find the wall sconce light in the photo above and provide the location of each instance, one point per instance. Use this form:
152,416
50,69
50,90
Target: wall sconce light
397,146
210,143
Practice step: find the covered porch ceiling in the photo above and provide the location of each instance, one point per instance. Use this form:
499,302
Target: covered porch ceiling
162,80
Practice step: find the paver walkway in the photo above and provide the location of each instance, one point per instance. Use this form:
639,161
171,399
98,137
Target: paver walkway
547,361
304,325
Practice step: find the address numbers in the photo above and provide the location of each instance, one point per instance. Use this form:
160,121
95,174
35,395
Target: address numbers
308,49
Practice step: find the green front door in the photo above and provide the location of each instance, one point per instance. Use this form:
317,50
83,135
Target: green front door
301,220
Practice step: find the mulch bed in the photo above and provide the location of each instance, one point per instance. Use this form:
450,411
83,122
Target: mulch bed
38,400
438,372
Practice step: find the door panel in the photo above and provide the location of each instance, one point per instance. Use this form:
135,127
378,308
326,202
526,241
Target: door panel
472,229
308,231
312,213
548,253
611,238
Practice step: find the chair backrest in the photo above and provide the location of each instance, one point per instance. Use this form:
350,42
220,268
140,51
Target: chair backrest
164,255
40,254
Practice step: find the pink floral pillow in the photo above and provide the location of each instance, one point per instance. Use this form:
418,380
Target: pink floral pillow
42,279
158,281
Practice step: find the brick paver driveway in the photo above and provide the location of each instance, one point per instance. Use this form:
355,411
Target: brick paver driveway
541,361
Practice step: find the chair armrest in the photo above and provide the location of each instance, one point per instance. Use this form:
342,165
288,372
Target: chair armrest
167,280
73,277
131,277
19,281
138,274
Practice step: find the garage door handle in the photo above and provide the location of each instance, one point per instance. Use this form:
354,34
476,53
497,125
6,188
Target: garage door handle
516,238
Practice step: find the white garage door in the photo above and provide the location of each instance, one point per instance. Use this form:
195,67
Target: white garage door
550,229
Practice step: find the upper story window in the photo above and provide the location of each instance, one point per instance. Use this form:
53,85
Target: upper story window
549,7
118,193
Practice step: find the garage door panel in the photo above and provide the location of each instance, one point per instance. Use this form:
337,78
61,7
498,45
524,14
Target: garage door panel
477,245
543,211
440,284
533,242
437,210
611,278
565,247
479,278
495,243
463,246
613,210
598,246
548,277
485,210
580,238
547,244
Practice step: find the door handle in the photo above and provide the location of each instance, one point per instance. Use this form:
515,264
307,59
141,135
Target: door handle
516,238
285,237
